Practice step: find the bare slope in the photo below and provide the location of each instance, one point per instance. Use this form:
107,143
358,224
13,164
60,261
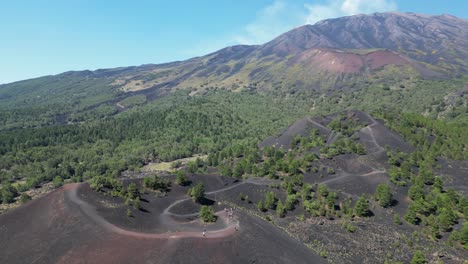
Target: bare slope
328,54
62,228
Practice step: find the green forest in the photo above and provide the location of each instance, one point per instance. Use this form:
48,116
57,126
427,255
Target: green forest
175,127
100,143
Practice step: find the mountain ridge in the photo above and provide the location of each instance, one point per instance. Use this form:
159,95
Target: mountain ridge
430,58
323,41
334,56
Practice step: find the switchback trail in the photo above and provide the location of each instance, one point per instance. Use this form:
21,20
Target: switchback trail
71,192
256,181
367,130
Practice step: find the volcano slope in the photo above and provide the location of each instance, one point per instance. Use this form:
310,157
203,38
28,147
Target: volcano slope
334,57
341,157
323,148
71,225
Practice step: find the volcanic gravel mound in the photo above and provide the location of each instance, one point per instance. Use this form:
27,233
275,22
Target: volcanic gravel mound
62,228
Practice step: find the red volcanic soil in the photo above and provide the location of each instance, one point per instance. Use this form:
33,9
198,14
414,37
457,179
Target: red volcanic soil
331,60
348,62
381,58
63,228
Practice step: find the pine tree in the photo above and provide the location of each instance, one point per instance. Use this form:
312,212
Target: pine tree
280,209
411,215
383,195
396,219
361,208
207,214
260,206
198,192
270,200
181,178
136,203
418,258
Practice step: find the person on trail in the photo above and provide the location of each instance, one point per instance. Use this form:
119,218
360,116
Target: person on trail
204,233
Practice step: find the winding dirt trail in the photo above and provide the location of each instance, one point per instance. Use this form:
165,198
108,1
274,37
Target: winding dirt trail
331,134
367,130
371,133
345,175
71,193
374,140
317,124
231,226
256,181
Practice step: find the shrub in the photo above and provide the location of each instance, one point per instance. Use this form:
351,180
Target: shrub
396,219
25,198
136,203
197,192
132,191
261,206
291,200
207,214
411,215
350,227
270,200
8,193
383,195
361,208
280,209
323,190
99,183
181,178
156,183
323,254
416,192
418,258
312,207
58,181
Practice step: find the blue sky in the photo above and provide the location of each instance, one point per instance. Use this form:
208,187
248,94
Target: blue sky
42,37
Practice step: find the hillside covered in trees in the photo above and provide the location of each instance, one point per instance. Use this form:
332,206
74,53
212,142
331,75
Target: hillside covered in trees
328,146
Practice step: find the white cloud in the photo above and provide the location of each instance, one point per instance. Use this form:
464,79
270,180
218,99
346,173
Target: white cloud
281,16
272,20
337,8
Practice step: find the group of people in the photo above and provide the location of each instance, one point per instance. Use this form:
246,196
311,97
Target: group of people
229,212
230,215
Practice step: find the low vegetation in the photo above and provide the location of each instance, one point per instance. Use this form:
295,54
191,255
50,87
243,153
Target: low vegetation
197,192
207,214
226,128
156,183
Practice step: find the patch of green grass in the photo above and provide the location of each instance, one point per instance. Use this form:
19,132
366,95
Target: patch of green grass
168,166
